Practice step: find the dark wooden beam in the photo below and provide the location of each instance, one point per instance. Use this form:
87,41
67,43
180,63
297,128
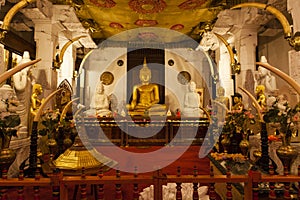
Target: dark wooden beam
18,45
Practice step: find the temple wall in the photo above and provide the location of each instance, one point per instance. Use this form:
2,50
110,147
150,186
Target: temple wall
194,62
277,53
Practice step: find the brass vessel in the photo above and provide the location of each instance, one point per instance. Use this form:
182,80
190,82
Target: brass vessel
7,155
287,155
225,143
244,145
78,156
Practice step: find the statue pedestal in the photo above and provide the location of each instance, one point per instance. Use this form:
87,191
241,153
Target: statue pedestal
22,147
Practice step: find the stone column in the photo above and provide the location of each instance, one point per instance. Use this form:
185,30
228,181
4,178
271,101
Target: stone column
292,7
294,56
241,29
245,33
2,59
246,47
67,67
46,37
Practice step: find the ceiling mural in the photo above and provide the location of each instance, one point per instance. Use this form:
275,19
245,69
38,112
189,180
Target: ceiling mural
107,17
102,19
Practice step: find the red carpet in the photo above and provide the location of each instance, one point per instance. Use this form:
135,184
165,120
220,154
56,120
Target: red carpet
186,161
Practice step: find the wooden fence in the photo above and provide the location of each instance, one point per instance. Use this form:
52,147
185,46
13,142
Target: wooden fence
60,185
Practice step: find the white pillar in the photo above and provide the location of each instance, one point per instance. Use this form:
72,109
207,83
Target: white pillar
294,62
225,71
67,67
2,59
292,7
46,37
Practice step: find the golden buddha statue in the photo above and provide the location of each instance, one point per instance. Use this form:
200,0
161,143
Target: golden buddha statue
35,101
260,95
145,97
238,103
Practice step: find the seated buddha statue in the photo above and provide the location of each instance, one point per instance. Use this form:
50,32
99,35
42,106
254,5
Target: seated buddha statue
192,102
145,97
238,105
222,104
100,103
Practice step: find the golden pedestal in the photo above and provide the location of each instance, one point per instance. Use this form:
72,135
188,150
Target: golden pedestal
78,156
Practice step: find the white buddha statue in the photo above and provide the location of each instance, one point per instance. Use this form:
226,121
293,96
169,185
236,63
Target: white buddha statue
191,102
100,103
9,105
8,100
22,86
221,103
265,78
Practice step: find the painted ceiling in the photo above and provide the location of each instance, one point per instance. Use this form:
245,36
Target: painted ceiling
106,18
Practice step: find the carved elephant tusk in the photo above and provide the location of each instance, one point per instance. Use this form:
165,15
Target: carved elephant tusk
282,75
294,40
83,61
64,48
284,22
221,105
16,69
40,110
232,61
257,106
11,13
207,114
65,110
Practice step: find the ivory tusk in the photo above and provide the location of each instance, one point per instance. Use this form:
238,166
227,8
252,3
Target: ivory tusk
78,111
284,22
40,110
282,75
65,110
208,115
16,69
232,61
64,48
257,106
83,61
11,13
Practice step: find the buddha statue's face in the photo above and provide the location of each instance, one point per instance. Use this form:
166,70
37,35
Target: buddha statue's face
259,89
145,78
237,100
39,90
100,89
221,91
262,71
192,86
145,75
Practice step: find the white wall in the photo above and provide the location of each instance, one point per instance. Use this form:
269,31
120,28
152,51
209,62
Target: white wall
277,53
105,59
99,61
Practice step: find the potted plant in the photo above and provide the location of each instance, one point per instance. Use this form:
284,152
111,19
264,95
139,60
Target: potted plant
285,116
236,127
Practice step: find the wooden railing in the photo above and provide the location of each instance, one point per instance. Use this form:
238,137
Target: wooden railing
35,183
60,185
